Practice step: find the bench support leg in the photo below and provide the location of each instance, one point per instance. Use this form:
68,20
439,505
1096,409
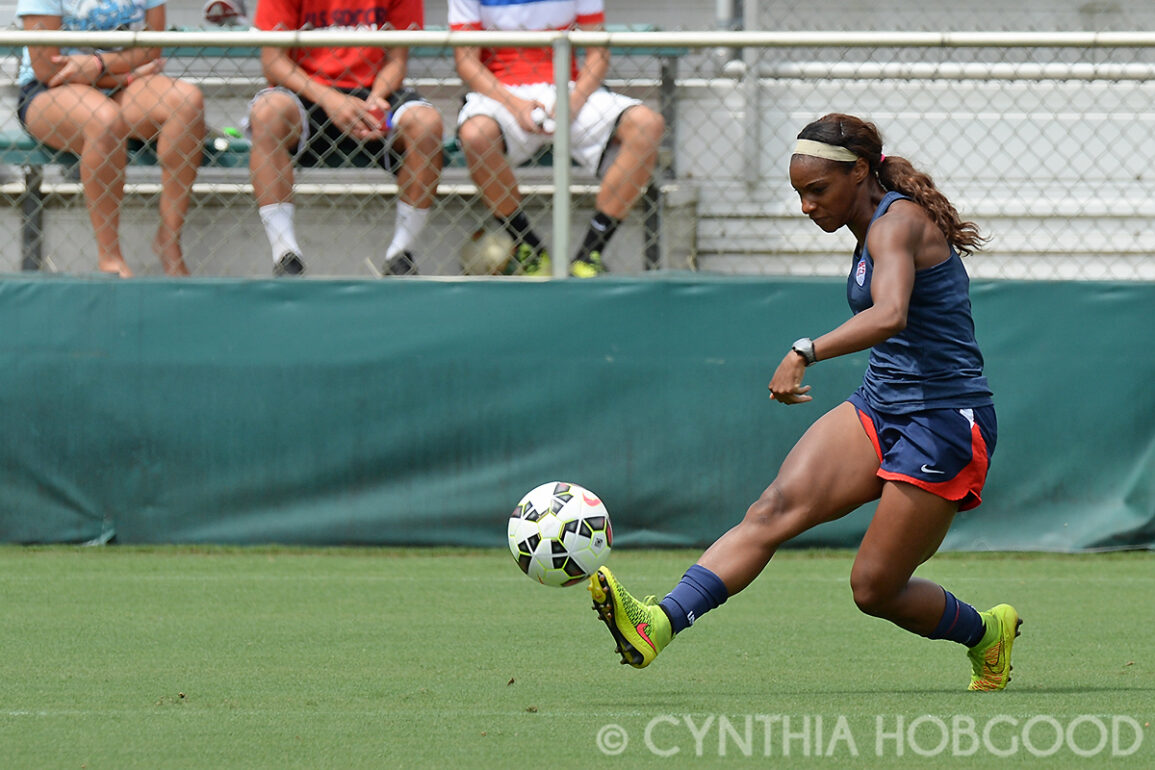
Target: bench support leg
652,227
32,220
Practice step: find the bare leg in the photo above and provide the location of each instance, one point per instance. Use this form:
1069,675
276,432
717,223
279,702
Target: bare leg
102,163
829,472
180,147
276,124
171,112
488,167
906,530
640,133
420,136
84,121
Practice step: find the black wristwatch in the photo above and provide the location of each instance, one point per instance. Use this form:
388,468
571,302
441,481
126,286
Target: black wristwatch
805,348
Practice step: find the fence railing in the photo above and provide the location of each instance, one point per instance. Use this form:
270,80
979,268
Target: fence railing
1041,138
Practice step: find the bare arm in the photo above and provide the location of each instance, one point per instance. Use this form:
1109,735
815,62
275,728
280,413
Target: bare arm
477,78
348,113
592,74
44,58
893,241
392,75
119,62
108,69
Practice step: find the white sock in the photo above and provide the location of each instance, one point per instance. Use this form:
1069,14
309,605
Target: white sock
278,221
410,222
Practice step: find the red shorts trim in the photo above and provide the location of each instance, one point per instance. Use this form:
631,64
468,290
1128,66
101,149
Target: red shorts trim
965,487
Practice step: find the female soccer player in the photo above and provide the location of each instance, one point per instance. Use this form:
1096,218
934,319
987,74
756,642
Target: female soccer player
916,436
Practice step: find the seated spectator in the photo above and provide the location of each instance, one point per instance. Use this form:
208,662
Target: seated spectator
324,104
508,114
91,102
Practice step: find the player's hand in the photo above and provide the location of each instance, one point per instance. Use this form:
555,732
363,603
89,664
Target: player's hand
75,68
153,67
349,114
376,123
524,112
786,385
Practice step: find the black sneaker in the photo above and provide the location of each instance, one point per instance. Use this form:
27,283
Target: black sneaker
289,264
402,264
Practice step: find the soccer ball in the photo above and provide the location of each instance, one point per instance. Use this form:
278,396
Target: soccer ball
560,534
487,252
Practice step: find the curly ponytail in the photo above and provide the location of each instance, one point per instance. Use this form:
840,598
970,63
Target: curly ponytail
896,173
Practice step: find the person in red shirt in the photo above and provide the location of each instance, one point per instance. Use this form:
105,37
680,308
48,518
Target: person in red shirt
324,105
509,114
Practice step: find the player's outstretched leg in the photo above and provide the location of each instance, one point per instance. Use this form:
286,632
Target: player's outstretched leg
639,628
991,657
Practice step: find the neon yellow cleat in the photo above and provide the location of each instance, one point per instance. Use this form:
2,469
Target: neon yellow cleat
591,267
641,629
526,261
991,657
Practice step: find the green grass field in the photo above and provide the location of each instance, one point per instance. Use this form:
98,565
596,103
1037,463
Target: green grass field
122,657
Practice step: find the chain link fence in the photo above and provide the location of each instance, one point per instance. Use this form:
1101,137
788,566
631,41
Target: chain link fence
1042,139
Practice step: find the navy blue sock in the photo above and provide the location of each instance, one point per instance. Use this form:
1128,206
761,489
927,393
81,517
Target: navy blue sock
960,623
698,592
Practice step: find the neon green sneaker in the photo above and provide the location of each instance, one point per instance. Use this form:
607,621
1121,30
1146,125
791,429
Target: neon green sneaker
641,629
991,657
590,267
526,261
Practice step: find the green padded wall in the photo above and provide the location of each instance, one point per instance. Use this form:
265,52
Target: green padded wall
418,411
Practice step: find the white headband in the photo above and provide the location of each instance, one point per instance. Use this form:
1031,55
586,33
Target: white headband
824,150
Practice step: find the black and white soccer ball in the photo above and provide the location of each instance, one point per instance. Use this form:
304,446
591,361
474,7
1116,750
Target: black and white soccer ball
560,534
487,252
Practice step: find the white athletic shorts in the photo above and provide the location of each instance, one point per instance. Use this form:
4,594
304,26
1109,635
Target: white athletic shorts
590,132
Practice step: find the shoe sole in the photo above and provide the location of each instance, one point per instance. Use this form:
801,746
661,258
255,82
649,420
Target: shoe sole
1011,646
604,606
1010,667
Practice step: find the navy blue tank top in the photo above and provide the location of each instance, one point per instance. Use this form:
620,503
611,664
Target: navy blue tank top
935,362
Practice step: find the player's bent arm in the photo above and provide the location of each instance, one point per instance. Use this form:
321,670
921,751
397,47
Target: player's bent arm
42,56
128,59
892,245
592,74
392,75
477,77
282,71
857,333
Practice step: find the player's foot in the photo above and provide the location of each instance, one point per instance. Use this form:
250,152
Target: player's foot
402,264
289,264
589,267
641,629
528,261
991,658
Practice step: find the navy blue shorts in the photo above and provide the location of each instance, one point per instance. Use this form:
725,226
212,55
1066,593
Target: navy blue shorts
34,88
28,92
944,451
